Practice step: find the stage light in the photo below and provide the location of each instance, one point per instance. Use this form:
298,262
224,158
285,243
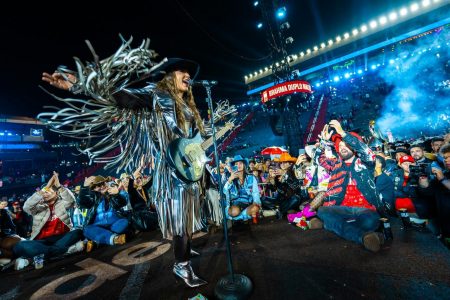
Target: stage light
277,64
308,51
393,16
364,28
360,71
414,7
246,77
322,45
330,42
259,25
317,84
255,3
260,71
316,48
346,35
302,54
336,78
266,69
403,11
373,24
338,38
425,3
281,12
255,73
347,75
355,31
383,20
391,61
373,67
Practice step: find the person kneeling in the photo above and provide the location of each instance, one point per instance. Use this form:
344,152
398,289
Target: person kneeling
242,193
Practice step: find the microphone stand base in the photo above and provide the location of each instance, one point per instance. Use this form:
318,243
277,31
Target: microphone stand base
237,289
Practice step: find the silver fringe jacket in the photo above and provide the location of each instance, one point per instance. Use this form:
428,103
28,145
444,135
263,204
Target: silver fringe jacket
139,122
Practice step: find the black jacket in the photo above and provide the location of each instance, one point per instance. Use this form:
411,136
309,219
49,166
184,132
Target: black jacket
90,199
7,226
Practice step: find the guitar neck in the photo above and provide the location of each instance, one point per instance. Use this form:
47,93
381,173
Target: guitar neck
207,143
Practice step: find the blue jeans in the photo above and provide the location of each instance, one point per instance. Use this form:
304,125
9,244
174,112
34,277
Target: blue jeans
350,223
104,233
51,246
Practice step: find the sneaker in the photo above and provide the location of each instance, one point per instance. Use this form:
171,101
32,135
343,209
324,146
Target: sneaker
373,241
120,239
20,263
4,261
315,223
75,248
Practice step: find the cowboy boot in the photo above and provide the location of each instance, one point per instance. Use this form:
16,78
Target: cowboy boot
184,271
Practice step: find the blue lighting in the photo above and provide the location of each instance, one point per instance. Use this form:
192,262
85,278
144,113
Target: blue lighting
281,12
317,84
259,25
373,67
359,71
255,3
391,61
346,75
360,52
336,78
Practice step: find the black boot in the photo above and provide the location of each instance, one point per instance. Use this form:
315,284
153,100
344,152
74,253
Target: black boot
184,271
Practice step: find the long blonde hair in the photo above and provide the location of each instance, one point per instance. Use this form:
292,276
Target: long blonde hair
168,84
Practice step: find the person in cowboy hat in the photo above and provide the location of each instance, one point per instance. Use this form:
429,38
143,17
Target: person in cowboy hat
52,231
242,192
104,221
170,109
287,186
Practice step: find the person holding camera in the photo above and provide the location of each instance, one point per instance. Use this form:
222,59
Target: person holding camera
242,192
104,223
409,194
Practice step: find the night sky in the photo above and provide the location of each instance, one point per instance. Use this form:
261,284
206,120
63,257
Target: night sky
220,35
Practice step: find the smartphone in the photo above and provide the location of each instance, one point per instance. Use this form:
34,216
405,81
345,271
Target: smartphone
301,152
234,168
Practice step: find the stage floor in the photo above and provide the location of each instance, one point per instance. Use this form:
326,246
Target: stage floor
283,262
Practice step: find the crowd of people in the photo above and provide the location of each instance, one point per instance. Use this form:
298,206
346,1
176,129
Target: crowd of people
339,184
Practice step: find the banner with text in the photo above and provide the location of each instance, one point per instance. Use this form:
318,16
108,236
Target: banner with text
285,88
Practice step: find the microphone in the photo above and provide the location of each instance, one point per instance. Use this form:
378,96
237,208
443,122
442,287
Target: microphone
202,82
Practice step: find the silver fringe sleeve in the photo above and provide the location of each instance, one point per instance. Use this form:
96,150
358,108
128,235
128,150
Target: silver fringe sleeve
98,120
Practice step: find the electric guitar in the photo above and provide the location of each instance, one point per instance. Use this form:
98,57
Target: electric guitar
187,156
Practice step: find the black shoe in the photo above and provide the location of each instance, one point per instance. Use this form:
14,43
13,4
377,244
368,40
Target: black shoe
184,271
194,253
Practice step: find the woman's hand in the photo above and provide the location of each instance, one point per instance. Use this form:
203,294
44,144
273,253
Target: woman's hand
300,160
58,80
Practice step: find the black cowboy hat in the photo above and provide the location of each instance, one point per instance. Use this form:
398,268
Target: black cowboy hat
172,64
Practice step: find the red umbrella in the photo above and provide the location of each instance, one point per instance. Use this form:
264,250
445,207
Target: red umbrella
273,150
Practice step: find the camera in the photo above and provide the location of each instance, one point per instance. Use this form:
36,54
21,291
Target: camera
420,170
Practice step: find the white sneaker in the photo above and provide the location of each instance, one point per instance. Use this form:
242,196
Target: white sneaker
4,261
75,248
20,263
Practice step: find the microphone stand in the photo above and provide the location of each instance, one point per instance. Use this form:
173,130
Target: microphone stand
231,286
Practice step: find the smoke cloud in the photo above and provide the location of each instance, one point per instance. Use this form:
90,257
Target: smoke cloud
419,103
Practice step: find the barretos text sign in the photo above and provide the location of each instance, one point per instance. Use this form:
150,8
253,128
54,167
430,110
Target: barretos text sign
286,88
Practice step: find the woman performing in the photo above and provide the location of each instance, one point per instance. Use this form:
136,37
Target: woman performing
141,122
